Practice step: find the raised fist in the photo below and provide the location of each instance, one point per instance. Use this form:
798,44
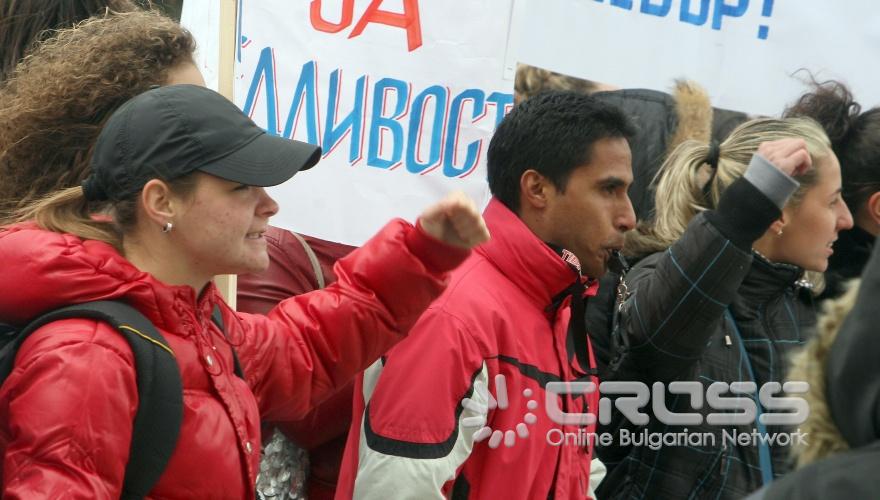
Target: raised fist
455,221
789,155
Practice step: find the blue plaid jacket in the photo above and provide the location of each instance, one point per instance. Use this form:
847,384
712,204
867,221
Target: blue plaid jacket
704,310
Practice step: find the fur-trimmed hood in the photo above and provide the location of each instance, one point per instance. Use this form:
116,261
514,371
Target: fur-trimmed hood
810,365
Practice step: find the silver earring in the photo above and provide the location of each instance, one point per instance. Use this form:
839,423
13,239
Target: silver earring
779,233
167,227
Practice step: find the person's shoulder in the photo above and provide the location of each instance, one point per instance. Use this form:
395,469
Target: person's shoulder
637,97
454,327
647,261
477,288
86,335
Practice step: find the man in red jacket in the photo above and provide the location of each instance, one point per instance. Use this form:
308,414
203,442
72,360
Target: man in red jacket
460,409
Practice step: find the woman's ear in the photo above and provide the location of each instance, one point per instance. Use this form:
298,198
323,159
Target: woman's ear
778,226
158,202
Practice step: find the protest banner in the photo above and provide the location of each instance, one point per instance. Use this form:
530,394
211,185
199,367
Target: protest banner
402,96
213,25
744,52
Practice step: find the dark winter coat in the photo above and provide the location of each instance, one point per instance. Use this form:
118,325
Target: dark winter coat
708,309
852,394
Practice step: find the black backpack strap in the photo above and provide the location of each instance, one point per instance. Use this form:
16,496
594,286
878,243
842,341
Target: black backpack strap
217,318
160,391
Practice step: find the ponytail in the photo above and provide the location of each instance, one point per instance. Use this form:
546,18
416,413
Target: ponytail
684,187
686,184
67,211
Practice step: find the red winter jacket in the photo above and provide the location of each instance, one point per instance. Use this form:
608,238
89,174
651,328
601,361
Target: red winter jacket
67,408
505,313
323,431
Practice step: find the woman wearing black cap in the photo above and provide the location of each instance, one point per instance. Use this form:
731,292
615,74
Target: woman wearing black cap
176,196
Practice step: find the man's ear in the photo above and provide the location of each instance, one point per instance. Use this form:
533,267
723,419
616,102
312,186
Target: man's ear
873,206
535,189
157,202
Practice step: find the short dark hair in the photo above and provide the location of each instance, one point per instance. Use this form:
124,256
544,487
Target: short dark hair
552,133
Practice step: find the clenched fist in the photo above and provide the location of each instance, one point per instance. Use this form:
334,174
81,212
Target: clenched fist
789,155
455,221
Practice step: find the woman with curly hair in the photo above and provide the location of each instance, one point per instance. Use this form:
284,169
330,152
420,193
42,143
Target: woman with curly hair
56,100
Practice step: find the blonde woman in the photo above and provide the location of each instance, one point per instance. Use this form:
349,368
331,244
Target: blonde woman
715,297
840,461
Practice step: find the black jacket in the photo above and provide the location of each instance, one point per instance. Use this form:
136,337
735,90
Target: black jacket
852,381
848,476
706,310
851,252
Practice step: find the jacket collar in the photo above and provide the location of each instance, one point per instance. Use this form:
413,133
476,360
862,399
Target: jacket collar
528,262
768,279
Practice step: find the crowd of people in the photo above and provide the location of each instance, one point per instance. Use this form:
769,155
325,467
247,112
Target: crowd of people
633,237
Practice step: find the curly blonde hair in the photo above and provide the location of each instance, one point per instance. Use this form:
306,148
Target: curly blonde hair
59,96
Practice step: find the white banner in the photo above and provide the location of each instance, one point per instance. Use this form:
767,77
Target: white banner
202,19
743,52
403,96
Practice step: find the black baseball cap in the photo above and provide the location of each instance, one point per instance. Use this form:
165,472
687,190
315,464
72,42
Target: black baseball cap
168,132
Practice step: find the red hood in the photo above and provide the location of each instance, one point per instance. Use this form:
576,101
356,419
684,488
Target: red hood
45,270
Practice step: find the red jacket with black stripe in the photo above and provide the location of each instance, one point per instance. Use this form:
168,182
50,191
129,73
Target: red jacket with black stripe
495,326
